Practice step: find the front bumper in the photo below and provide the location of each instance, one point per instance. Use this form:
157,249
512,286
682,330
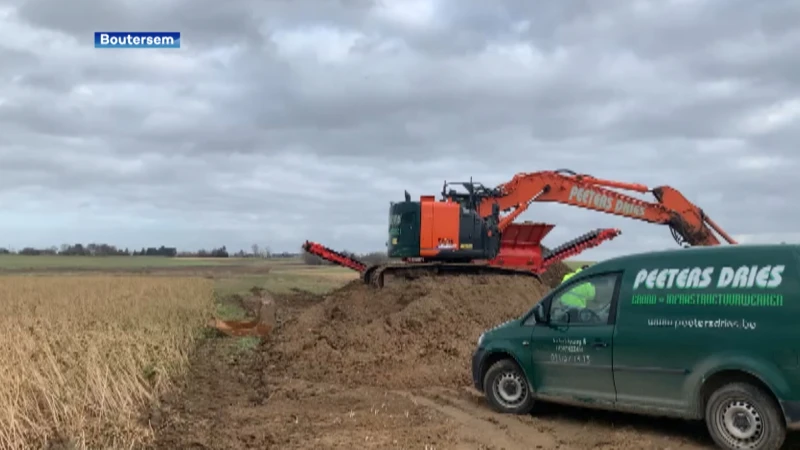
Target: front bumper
477,365
791,410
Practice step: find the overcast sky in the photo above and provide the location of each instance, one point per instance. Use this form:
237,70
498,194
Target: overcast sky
280,121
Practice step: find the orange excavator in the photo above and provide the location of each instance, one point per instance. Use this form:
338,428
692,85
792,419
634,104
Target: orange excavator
464,232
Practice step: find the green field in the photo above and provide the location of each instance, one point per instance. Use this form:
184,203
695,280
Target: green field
22,262
286,278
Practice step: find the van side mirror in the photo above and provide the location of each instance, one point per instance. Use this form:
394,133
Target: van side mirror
538,314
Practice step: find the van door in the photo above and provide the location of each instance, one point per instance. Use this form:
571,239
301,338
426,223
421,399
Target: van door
572,353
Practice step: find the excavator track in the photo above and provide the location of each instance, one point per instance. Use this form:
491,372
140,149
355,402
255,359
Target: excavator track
375,275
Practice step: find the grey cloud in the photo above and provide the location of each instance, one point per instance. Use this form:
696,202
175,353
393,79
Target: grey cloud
214,22
260,130
13,61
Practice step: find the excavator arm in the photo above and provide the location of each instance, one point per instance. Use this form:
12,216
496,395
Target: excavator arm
688,223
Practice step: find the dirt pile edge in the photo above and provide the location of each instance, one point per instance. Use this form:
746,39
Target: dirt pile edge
410,334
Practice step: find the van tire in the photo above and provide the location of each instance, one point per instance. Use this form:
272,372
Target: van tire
507,389
757,411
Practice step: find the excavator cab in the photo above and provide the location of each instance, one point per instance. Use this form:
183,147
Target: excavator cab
404,229
447,230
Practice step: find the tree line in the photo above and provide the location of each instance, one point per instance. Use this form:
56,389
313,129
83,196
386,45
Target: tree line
256,251
95,249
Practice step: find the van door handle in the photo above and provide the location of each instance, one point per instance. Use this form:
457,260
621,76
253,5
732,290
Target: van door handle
599,344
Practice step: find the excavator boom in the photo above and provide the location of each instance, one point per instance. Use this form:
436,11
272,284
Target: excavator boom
688,222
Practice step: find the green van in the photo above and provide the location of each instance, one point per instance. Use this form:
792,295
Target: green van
706,333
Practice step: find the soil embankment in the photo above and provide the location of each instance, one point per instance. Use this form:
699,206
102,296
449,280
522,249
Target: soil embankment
407,335
367,368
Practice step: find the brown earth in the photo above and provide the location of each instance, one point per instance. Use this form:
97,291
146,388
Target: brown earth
407,335
366,368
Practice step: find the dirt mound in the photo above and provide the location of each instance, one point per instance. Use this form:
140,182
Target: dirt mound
414,334
555,274
409,334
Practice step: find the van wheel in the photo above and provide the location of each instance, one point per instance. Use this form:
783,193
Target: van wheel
507,389
742,416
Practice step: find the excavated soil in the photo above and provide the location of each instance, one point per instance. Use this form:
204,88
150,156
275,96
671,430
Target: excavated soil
410,334
365,368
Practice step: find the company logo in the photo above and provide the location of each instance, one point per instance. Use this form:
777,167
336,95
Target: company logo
598,200
703,277
137,39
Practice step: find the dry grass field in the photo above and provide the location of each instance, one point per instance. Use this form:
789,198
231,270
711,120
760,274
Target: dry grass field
112,353
80,357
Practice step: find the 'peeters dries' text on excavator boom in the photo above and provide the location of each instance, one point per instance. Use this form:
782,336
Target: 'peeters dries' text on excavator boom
465,233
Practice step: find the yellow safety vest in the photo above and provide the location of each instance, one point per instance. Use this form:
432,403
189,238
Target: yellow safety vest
579,295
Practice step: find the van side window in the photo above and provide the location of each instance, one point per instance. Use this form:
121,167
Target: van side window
587,302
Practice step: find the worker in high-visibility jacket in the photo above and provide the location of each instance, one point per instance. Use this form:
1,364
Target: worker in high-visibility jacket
579,295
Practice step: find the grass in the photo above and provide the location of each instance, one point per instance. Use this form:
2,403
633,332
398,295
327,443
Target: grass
246,344
80,357
229,311
23,262
282,280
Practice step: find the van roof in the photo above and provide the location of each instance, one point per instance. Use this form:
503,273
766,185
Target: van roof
720,250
